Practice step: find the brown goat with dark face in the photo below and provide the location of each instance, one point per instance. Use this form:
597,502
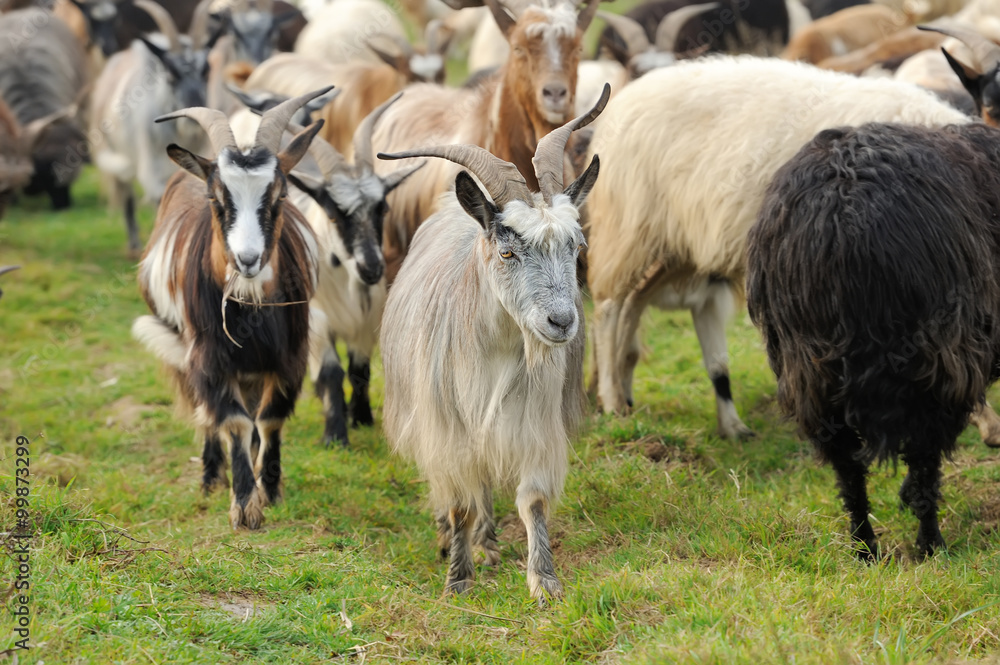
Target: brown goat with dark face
228,253
507,113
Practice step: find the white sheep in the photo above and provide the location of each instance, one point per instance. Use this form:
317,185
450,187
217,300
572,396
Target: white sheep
482,347
688,152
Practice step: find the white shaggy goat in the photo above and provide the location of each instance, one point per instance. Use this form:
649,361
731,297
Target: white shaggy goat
340,31
683,179
482,346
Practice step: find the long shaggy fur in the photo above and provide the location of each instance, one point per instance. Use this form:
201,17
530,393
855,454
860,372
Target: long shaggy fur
874,277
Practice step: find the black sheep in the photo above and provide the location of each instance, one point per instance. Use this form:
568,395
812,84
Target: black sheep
874,276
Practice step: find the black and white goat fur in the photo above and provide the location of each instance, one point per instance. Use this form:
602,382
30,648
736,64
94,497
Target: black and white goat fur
874,275
229,253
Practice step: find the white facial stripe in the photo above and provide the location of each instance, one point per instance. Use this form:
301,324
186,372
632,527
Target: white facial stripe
351,194
247,188
426,66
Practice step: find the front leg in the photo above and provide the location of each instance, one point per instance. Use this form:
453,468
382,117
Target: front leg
359,373
533,507
329,380
461,569
277,404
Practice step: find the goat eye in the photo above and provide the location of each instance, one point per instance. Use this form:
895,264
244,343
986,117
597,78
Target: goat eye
506,254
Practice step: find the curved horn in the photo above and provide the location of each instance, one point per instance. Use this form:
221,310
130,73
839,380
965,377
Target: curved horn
501,179
983,50
200,19
274,121
500,15
327,157
548,159
437,36
586,15
363,134
163,21
630,31
6,269
33,130
670,27
215,123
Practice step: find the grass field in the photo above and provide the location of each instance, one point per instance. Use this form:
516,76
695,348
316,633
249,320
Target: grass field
673,545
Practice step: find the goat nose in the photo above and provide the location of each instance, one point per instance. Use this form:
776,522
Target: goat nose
555,92
248,259
561,320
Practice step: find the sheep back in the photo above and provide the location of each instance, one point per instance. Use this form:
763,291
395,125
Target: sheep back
872,273
687,152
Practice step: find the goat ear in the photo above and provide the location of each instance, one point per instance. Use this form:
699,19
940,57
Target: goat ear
399,63
197,166
314,187
396,178
473,200
296,150
578,190
969,78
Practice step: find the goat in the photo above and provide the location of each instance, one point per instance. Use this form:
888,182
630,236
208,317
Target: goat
888,52
982,78
341,30
346,213
225,233
482,348
682,183
872,273
845,31
758,26
155,75
507,113
43,72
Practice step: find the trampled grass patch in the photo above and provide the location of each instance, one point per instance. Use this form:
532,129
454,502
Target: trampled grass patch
673,545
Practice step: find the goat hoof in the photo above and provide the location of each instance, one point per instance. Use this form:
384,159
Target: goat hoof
738,432
457,587
545,588
334,441
362,417
868,552
250,515
926,547
219,483
491,554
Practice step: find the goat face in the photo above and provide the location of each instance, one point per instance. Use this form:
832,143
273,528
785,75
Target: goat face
545,53
101,17
531,255
187,72
354,202
256,34
246,191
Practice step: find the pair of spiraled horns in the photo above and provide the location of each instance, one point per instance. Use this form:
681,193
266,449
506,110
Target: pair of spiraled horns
165,23
667,32
272,122
501,178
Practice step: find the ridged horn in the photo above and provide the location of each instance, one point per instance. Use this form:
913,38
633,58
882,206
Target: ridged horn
548,159
501,179
670,27
200,19
215,123
274,121
504,20
586,15
363,134
986,53
327,157
163,21
630,31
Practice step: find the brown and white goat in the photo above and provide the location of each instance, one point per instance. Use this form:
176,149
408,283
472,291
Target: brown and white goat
507,113
229,253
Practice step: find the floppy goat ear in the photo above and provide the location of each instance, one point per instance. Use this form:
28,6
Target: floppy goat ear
197,166
579,188
314,187
296,150
968,76
473,200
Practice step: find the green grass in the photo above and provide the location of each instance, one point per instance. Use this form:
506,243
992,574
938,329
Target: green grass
716,552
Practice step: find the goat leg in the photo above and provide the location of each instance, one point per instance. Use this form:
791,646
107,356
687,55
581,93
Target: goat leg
542,581
359,373
461,569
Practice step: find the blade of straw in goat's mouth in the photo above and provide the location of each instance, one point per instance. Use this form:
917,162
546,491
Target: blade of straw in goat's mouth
226,292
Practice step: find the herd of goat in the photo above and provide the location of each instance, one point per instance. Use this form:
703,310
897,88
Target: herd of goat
834,161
